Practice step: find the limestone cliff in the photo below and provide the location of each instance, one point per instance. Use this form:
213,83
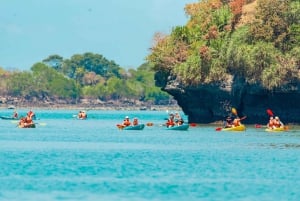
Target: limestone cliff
210,103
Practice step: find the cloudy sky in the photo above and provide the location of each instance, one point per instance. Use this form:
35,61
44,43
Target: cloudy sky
120,30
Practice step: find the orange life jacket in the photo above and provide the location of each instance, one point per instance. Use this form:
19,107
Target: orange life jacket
271,123
170,122
277,123
236,122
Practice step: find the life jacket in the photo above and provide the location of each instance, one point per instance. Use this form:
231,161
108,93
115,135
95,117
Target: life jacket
236,122
30,114
83,115
271,123
277,123
22,121
170,123
28,120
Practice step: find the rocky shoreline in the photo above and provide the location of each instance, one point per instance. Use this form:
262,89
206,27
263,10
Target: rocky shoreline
86,104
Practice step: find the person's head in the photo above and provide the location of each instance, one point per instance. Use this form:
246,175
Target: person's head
135,119
127,117
271,118
277,118
228,119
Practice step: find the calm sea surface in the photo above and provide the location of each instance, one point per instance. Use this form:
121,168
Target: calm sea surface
68,159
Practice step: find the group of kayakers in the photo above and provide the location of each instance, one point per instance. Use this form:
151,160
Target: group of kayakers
275,123
82,115
127,122
174,120
229,122
27,121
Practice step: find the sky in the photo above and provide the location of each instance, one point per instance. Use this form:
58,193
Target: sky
120,30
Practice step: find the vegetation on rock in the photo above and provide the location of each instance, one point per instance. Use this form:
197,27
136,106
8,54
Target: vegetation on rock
258,40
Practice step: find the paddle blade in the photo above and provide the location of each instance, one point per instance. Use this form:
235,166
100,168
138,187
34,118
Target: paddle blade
120,126
149,124
193,124
270,113
233,110
219,129
257,126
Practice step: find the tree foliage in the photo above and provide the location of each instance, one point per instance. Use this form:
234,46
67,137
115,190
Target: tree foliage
263,51
87,76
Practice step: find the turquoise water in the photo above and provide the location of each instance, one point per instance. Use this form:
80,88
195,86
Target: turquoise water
68,159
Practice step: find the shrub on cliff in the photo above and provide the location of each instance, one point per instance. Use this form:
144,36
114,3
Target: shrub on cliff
221,38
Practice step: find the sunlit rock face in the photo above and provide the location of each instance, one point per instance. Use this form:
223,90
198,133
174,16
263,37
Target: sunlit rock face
211,103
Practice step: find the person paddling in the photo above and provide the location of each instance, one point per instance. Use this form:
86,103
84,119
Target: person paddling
15,115
278,123
271,125
236,122
178,119
228,122
26,122
31,114
170,122
126,121
82,115
135,121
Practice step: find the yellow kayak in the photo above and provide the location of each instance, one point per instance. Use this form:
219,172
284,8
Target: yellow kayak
235,128
276,129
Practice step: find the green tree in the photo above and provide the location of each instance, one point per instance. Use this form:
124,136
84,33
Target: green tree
20,84
55,61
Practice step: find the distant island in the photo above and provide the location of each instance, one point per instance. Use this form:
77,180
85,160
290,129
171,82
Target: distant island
88,80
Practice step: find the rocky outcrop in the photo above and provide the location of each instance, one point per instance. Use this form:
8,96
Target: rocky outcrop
211,103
